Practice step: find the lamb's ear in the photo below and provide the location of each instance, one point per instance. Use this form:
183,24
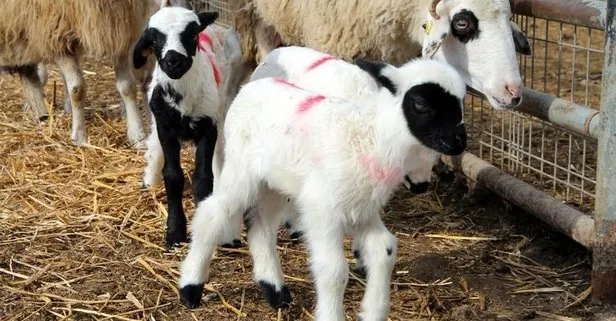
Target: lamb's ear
380,71
519,40
207,18
436,30
143,48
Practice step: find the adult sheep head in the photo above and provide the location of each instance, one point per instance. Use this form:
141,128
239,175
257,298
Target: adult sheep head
172,36
478,38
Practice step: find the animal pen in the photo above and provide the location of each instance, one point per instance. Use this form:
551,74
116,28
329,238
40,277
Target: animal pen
552,157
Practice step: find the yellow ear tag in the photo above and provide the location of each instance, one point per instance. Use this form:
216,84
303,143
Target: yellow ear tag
428,27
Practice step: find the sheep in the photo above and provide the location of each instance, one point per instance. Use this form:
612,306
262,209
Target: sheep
476,35
331,76
339,162
35,32
187,99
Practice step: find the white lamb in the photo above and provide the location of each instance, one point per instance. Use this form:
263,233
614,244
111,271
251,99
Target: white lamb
339,162
331,76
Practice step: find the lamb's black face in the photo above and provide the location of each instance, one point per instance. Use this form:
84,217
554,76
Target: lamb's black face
172,35
434,117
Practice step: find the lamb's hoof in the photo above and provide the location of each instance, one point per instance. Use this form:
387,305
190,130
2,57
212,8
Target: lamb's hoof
296,236
235,244
145,186
79,138
190,295
360,271
419,188
276,299
43,118
174,238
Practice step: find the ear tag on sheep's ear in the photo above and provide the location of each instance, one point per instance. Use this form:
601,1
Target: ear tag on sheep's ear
427,26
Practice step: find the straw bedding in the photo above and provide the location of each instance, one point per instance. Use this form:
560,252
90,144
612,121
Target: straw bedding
80,241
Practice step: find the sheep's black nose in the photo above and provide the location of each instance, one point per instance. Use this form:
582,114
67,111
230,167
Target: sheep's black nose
172,63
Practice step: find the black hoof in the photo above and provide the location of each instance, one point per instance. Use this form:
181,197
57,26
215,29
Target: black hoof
190,295
43,118
360,271
276,299
419,188
296,236
174,238
236,244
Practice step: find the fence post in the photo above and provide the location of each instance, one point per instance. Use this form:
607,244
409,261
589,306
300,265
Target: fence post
604,253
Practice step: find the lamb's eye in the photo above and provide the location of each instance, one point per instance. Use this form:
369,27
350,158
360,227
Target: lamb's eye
461,24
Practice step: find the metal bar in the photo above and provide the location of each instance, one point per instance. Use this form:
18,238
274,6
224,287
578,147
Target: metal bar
604,256
579,119
587,13
563,218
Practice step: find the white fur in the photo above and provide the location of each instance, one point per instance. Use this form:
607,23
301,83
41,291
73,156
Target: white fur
316,158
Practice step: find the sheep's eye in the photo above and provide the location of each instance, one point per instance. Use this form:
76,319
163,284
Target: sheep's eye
462,25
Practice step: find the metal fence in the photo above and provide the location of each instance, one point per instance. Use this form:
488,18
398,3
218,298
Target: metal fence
551,142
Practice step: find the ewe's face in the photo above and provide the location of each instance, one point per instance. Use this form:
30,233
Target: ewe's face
172,36
480,45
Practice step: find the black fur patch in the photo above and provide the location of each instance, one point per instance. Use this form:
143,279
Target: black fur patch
235,244
190,295
171,120
277,299
151,39
389,251
374,69
356,254
433,116
471,32
190,37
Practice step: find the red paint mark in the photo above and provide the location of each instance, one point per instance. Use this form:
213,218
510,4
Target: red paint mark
282,81
319,62
377,171
204,38
309,102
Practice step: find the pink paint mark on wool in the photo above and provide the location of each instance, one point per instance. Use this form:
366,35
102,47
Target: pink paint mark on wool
282,81
204,39
377,171
309,102
319,62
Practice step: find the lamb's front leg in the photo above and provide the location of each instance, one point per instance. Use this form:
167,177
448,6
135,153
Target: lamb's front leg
378,255
262,222
324,237
174,185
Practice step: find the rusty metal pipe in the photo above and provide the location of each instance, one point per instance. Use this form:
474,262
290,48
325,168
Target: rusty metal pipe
587,13
563,218
579,119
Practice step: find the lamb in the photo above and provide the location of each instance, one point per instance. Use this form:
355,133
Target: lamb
339,162
331,76
187,100
474,36
62,35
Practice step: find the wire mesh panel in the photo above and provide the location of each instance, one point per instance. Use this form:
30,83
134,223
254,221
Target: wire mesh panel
566,62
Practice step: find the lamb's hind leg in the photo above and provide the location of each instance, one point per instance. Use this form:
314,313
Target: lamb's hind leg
128,90
262,222
378,254
324,236
33,91
76,87
236,191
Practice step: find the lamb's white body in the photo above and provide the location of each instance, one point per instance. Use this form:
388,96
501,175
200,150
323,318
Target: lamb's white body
338,161
322,73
